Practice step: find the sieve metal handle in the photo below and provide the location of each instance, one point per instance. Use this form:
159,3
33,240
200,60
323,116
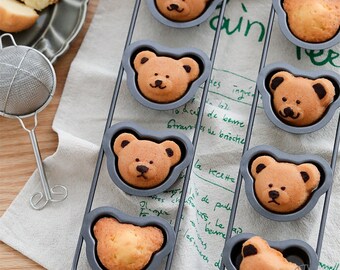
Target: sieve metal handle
57,193
7,35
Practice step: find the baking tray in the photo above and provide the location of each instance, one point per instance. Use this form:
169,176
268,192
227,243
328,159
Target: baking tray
195,140
249,131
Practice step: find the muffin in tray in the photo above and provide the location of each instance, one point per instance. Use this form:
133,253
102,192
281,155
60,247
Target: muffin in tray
182,11
247,251
282,186
118,241
300,101
145,163
309,24
313,20
257,254
123,246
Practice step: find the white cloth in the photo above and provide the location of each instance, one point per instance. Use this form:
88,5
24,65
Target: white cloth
49,236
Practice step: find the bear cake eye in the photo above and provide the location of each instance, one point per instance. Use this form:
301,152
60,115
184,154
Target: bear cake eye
137,159
167,76
151,162
298,102
156,74
283,188
284,99
270,185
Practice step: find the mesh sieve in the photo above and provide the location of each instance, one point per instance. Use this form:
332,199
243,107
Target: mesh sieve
27,80
27,84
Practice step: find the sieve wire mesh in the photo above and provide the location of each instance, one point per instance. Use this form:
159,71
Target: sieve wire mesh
27,81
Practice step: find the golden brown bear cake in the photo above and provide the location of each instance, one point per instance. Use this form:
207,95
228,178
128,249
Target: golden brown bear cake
313,20
283,187
164,79
258,255
180,10
300,101
144,163
122,246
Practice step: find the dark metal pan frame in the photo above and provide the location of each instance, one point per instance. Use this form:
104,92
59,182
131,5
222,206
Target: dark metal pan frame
195,138
247,143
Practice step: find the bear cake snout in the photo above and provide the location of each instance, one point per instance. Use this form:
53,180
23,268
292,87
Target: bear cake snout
290,112
175,7
158,84
142,169
273,194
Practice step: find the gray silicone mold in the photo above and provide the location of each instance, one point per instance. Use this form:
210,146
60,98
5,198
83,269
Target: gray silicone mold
176,53
92,217
156,136
294,250
161,18
283,22
263,86
325,181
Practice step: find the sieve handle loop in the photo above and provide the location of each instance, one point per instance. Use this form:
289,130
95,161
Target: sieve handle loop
7,35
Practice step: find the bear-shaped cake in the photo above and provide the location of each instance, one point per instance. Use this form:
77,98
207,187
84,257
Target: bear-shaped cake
300,101
258,255
313,21
283,187
163,79
180,10
145,163
123,246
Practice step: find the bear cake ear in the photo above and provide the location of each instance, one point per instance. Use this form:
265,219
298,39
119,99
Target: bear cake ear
191,67
121,141
142,57
279,78
325,91
249,250
310,175
261,163
253,246
173,151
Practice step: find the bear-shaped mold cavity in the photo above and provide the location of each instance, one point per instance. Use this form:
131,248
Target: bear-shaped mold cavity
292,252
145,162
281,186
130,227
163,78
182,14
298,101
299,25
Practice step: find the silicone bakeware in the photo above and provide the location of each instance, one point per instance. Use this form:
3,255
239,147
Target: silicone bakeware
175,53
283,23
294,250
325,181
263,86
202,18
91,218
156,136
